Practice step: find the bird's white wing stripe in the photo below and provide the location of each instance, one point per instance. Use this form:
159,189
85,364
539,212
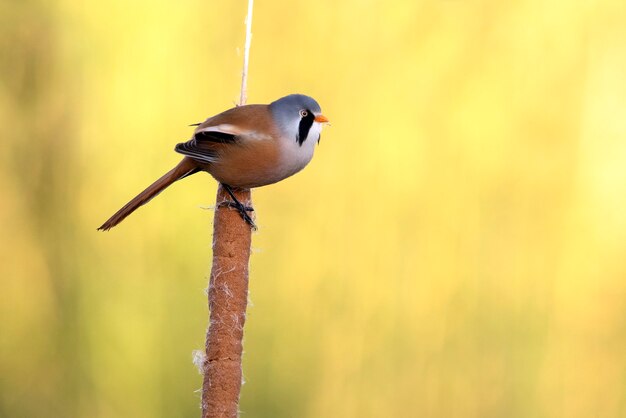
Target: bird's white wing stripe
224,127
234,130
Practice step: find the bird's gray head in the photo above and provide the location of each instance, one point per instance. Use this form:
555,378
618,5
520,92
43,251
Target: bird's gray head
296,114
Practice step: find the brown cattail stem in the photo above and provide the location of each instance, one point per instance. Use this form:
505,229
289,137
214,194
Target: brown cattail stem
228,298
228,291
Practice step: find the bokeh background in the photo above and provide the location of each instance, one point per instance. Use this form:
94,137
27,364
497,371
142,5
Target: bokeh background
457,247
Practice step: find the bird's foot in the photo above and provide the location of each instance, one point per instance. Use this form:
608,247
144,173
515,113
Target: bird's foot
243,211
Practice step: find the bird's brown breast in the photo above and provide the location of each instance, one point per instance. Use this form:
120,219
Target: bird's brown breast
248,164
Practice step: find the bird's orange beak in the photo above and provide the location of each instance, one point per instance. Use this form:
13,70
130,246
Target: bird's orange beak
321,119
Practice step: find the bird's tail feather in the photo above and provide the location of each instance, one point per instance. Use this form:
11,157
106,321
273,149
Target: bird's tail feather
185,168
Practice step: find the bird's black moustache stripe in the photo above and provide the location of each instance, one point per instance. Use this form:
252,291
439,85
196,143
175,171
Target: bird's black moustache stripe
305,126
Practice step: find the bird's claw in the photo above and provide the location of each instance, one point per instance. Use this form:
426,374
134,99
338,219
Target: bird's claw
243,211
239,206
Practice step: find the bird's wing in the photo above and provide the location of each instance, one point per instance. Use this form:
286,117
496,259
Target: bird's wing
200,149
226,129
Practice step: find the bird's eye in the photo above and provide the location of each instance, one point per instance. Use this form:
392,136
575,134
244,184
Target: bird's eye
304,113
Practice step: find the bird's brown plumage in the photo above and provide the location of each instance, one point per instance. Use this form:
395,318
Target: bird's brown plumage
246,161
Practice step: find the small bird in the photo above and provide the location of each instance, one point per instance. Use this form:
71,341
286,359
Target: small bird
244,147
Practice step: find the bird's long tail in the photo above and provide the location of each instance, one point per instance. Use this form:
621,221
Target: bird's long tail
185,168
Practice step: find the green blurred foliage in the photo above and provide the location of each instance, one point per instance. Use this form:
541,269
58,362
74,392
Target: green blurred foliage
455,249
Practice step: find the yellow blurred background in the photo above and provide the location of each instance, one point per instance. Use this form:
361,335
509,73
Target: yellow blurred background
456,248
